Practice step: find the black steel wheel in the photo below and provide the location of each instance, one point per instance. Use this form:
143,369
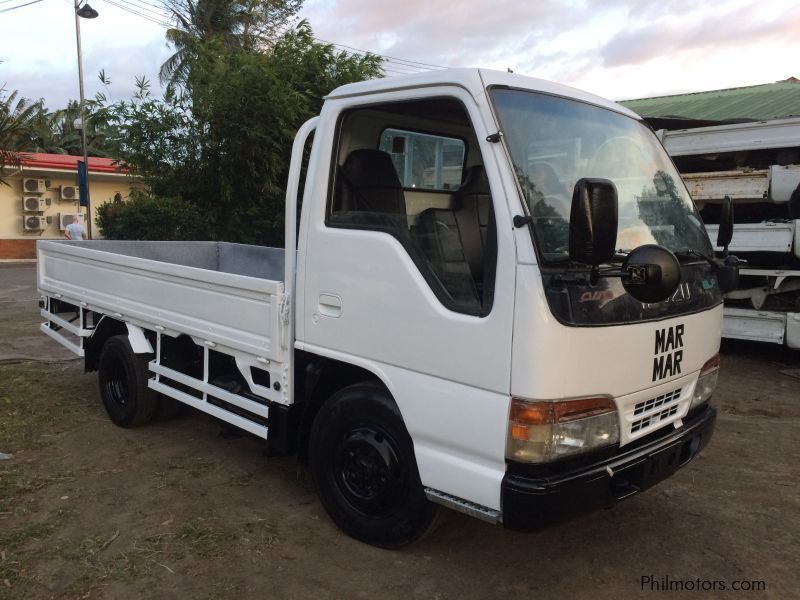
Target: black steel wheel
122,376
363,464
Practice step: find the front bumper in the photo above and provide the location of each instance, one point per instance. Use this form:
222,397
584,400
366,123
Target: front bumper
532,501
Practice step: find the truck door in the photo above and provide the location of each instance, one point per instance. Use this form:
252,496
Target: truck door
404,264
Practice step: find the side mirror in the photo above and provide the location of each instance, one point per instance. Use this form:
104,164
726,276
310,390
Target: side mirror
725,234
651,273
728,274
593,222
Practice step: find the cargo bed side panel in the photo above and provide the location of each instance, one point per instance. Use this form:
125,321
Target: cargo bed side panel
237,311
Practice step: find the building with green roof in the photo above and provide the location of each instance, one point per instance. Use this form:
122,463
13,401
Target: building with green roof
756,102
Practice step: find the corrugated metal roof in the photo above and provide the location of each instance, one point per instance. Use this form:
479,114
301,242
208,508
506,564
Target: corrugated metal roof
757,102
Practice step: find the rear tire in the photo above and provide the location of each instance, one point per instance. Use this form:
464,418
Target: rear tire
364,469
122,376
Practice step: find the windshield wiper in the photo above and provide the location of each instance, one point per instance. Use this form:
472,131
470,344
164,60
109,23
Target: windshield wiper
690,254
716,263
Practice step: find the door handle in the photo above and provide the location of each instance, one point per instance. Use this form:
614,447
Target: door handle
330,305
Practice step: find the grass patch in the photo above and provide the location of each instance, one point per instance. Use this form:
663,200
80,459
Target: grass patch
141,558
201,539
32,404
242,479
195,467
19,546
12,483
95,563
31,532
179,468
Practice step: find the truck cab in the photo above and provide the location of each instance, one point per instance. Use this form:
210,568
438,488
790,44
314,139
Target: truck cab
411,267
498,297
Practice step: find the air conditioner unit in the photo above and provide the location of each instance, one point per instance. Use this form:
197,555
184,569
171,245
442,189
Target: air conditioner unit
69,192
34,186
34,204
34,222
65,219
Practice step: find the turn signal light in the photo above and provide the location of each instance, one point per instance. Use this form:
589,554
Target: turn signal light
544,430
711,365
706,382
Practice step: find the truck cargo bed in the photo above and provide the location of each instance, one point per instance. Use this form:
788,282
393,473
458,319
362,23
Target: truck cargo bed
226,294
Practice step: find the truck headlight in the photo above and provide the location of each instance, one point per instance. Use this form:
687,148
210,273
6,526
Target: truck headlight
543,431
706,382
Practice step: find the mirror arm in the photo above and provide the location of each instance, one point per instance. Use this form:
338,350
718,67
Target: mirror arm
593,277
727,260
597,273
561,279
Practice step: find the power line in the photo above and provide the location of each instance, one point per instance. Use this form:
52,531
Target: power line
138,14
400,71
5,10
392,64
136,6
410,63
163,7
137,10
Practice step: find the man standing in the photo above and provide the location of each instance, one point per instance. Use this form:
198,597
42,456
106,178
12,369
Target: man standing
75,230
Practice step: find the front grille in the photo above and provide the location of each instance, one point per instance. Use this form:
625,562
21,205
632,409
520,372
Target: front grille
653,419
654,403
655,410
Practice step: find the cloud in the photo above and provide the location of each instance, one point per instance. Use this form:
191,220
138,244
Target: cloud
58,84
611,45
736,27
616,48
443,33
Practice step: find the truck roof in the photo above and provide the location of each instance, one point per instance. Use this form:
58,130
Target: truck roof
475,81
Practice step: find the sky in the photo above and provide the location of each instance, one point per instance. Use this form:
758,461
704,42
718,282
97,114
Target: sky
619,49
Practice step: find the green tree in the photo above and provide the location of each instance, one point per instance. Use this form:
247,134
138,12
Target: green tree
54,131
229,24
16,116
225,147
144,217
38,129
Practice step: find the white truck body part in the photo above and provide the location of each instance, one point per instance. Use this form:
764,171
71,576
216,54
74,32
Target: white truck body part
766,307
780,237
138,341
248,334
759,135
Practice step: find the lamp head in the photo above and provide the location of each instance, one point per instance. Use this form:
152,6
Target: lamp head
87,12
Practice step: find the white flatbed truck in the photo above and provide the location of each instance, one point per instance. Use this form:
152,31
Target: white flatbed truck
757,165
537,341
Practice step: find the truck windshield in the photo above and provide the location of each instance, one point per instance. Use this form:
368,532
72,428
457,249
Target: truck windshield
555,141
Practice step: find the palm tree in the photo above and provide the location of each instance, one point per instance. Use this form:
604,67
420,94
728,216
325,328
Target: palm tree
16,116
198,22
246,24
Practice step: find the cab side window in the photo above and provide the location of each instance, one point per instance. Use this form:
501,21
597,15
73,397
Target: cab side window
403,171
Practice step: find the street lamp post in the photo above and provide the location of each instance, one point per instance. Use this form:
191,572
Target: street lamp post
85,12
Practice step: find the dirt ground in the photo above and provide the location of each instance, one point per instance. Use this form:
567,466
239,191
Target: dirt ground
174,510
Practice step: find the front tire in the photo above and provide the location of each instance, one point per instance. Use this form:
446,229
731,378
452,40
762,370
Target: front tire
363,465
122,376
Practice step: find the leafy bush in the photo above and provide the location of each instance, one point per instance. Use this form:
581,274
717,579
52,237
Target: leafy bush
144,217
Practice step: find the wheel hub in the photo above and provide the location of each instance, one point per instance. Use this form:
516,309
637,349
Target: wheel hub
116,384
369,472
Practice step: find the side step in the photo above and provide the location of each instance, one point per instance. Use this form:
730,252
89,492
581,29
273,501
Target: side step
472,509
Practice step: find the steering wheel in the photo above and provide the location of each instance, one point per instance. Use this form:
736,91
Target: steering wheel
614,153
